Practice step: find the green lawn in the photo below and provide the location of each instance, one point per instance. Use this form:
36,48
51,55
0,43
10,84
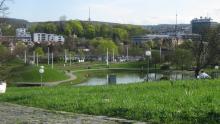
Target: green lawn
28,73
195,101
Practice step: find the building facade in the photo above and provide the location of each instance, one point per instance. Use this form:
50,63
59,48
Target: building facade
202,25
43,37
23,35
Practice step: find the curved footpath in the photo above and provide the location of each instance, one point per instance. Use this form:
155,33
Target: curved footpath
16,114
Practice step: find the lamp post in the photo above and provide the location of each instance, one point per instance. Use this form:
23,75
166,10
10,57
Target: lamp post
107,62
41,71
148,54
48,55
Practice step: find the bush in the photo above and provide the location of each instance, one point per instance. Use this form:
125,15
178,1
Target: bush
165,67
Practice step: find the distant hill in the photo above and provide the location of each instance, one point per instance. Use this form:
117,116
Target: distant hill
92,22
18,23
169,28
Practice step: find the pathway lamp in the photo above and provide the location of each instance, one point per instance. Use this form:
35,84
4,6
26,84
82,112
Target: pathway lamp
148,54
41,71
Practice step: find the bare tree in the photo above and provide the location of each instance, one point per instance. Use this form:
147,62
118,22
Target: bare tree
3,7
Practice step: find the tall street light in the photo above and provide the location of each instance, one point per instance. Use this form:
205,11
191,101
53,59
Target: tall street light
148,54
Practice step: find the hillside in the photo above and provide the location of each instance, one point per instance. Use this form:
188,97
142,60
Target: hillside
15,22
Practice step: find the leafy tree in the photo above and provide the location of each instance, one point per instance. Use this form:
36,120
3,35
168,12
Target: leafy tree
4,54
70,43
20,48
39,51
50,28
105,31
156,56
8,30
101,45
120,34
136,30
89,31
186,44
133,51
97,30
182,57
206,49
74,27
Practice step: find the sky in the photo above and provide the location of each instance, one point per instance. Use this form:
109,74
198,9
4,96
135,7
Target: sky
139,12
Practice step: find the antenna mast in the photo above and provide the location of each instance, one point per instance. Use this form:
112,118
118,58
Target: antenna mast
89,15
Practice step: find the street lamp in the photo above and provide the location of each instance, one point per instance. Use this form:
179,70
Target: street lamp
148,54
41,71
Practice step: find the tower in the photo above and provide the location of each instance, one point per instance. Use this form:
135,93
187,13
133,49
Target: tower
89,15
176,27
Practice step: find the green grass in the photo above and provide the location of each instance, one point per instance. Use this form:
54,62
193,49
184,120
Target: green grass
6,68
29,73
195,101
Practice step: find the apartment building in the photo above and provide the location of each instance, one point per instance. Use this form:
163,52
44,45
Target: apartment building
23,35
43,37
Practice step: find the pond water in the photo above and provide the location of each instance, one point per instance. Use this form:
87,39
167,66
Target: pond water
103,78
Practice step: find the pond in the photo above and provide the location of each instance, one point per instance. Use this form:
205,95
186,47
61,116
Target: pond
127,77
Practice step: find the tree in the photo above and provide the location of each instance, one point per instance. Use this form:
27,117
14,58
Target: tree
8,30
89,31
182,57
101,45
120,34
68,29
156,56
105,31
136,30
20,48
74,27
206,49
71,43
3,8
50,28
4,54
39,51
188,44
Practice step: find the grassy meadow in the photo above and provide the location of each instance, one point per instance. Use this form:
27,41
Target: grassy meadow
195,101
28,73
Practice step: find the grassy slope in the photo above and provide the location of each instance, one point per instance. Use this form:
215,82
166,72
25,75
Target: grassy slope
31,74
184,101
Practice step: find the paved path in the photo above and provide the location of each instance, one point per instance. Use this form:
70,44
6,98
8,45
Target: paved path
16,114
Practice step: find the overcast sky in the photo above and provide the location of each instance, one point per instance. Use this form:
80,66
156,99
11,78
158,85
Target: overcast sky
141,12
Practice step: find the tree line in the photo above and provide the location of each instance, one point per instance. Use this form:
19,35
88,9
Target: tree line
90,30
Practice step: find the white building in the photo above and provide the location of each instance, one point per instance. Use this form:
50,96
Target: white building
42,37
23,35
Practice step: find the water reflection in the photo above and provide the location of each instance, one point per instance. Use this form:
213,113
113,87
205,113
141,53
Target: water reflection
127,78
